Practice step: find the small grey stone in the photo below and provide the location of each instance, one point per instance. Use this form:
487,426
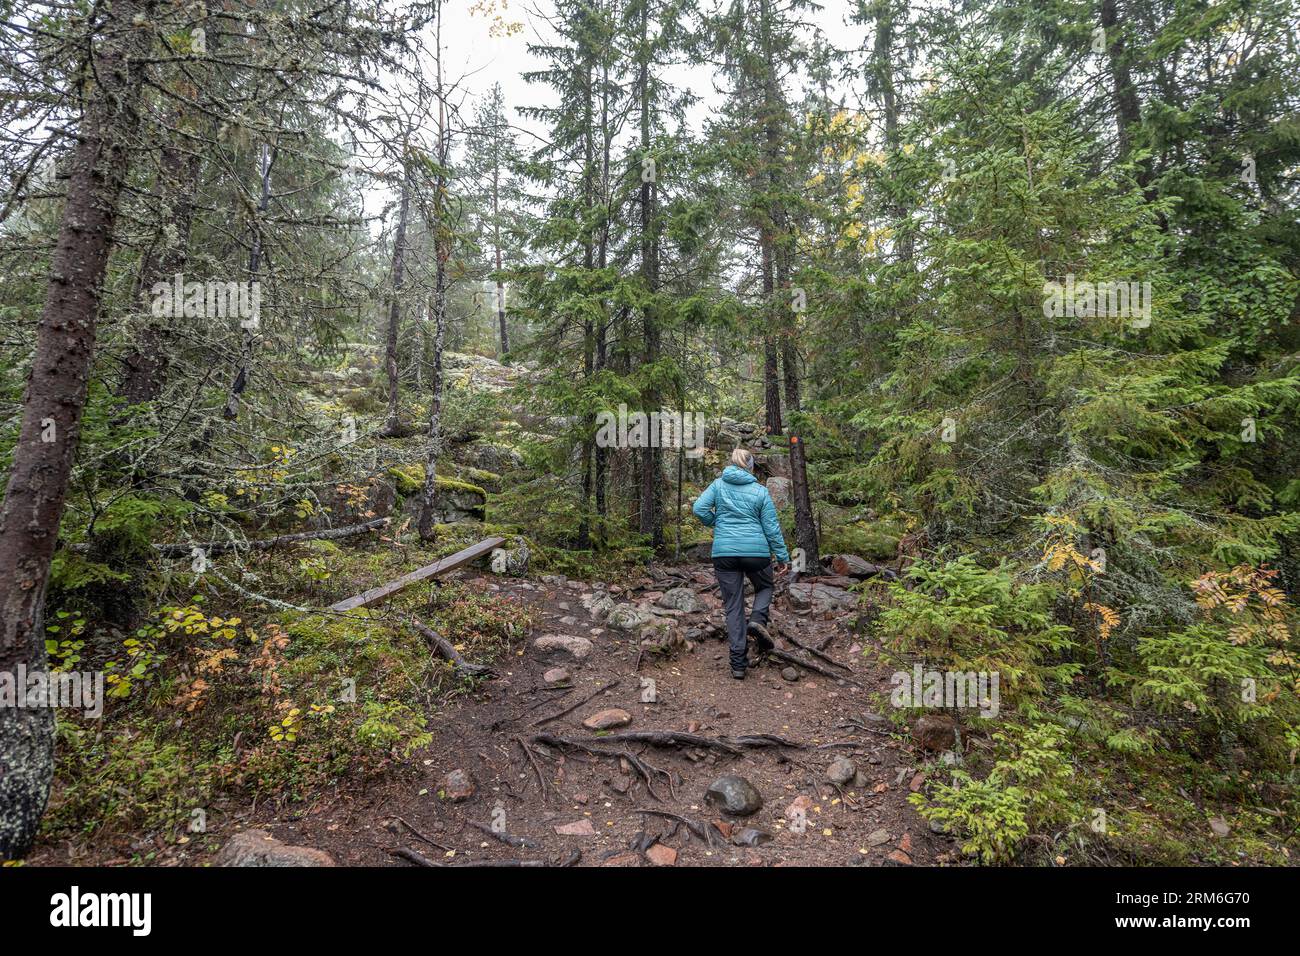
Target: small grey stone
841,771
608,719
734,795
751,837
575,647
457,785
259,848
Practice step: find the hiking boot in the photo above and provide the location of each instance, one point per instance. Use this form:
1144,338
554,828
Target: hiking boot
738,675
761,637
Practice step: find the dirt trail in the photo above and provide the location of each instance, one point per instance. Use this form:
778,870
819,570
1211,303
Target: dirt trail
867,822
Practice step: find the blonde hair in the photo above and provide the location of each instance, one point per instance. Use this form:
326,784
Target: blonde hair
743,458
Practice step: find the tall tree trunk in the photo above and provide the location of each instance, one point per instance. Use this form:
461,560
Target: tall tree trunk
1128,108
805,527
438,228
771,363
496,242
602,261
772,111
179,166
778,239
240,384
501,311
652,510
883,64
393,423
588,448
52,406
429,495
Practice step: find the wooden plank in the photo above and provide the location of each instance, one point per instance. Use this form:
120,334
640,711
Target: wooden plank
374,595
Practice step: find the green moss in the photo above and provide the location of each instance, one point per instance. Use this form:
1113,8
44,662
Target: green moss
478,476
453,484
867,539
410,480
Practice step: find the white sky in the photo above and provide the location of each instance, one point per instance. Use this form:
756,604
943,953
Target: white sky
479,59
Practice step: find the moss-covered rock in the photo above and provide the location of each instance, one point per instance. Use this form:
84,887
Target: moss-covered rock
409,480
456,500
876,540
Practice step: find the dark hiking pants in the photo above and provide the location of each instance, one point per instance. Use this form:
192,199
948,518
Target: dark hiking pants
731,574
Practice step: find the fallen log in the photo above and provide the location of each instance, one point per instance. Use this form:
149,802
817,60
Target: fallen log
213,548
375,595
444,648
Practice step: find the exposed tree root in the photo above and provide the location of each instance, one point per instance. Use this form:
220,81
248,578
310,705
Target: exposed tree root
789,658
406,853
574,706
656,738
521,843
704,831
642,766
765,740
816,652
532,760
427,839
444,647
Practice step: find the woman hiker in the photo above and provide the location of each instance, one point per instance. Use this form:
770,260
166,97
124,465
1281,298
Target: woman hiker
746,535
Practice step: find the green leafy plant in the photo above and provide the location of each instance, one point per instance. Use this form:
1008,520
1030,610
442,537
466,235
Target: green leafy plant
1024,791
957,615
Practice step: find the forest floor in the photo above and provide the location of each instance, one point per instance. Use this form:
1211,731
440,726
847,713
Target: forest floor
596,797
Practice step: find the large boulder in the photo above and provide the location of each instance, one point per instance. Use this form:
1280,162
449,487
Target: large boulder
820,598
346,503
466,370
772,465
780,489
680,599
259,848
599,605
934,732
490,456
628,617
454,500
575,648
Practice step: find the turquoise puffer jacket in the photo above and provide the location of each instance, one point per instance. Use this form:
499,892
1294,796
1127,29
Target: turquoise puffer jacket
742,516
